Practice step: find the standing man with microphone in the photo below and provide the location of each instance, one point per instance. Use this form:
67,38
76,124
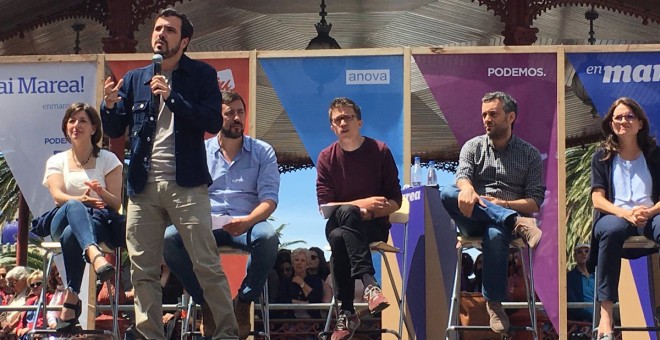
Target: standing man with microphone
167,114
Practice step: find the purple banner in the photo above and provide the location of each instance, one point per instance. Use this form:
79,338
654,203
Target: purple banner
458,82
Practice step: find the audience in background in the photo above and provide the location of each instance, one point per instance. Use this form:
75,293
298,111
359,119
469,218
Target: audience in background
477,269
17,283
580,285
467,269
5,293
279,282
318,264
302,288
56,285
28,318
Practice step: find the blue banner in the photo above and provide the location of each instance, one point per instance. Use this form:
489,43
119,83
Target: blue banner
608,76
306,86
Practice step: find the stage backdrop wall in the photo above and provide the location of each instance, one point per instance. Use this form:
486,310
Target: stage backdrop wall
459,81
606,77
33,97
306,86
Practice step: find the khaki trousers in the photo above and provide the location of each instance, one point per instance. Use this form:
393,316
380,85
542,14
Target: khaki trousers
149,213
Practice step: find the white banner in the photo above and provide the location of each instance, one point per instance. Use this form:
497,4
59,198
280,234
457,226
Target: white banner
33,98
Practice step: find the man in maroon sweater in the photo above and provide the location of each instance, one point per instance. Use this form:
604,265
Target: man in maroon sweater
359,176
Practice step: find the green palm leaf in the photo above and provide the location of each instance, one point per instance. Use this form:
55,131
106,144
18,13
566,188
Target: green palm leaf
286,244
579,209
8,193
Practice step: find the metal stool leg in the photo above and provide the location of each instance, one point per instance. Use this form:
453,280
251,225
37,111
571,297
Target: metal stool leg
41,304
114,298
596,309
188,323
265,312
529,288
455,296
333,309
404,283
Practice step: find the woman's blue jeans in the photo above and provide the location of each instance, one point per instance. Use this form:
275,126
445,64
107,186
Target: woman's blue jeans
75,229
495,224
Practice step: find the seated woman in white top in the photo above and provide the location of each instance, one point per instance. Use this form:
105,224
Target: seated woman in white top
85,183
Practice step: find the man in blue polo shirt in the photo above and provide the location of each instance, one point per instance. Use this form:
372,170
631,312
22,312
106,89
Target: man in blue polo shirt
243,195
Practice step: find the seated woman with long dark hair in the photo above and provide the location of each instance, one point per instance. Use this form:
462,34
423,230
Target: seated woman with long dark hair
625,191
85,183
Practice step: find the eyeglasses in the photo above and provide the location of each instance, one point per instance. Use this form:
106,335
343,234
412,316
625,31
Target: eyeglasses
347,118
582,251
36,284
627,117
314,257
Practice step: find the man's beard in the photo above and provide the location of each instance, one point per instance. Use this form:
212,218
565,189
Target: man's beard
230,133
168,52
496,132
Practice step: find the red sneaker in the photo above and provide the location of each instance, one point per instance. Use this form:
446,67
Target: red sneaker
375,298
347,324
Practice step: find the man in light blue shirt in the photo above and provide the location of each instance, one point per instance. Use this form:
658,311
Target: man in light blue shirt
243,195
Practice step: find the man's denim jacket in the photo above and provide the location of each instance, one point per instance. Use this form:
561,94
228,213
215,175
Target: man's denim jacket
195,102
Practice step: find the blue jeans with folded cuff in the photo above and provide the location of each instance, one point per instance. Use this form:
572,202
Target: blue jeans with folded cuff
495,224
260,241
75,229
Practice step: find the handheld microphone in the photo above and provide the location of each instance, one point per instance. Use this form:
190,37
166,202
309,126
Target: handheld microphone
157,61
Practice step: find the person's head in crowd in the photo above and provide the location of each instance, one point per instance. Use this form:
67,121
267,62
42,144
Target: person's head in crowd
3,278
626,112
283,264
581,254
283,255
17,279
285,270
54,279
300,258
35,281
318,264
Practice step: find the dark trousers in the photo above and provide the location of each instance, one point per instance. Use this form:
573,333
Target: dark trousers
349,237
610,232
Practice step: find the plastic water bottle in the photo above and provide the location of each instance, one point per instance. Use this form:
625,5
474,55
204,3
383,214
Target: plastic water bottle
432,177
416,173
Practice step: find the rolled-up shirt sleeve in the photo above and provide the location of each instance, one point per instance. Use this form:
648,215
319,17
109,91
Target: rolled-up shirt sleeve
268,184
